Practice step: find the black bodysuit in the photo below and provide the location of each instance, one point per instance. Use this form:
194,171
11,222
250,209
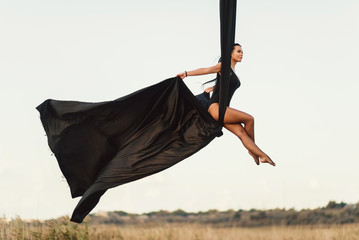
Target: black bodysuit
234,83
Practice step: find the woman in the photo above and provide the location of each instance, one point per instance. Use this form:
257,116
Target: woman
102,145
233,118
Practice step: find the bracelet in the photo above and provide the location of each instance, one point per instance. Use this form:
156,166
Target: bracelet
186,73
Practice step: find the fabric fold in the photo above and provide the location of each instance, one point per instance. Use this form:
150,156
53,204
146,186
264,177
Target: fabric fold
103,145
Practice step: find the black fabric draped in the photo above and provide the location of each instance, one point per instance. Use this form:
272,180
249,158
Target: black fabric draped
102,145
99,146
228,24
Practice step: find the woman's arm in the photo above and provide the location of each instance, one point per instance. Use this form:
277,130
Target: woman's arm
201,71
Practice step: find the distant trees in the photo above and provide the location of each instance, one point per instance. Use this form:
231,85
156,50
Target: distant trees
237,215
333,204
332,213
180,212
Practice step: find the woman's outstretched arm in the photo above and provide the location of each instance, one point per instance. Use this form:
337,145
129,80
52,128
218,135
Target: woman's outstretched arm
201,71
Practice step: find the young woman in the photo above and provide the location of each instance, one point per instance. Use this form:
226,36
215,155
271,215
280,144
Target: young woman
102,145
238,122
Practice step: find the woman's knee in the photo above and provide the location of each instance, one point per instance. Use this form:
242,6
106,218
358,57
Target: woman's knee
250,120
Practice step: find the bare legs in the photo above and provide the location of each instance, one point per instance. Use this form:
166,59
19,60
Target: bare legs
233,120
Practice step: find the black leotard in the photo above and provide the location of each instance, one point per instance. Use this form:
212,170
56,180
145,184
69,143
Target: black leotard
234,83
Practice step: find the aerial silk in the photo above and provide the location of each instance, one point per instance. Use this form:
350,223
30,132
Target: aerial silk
99,146
228,26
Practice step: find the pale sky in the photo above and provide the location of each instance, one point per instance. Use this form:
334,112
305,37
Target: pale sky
299,80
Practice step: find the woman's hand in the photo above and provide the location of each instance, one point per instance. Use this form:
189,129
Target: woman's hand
182,75
208,90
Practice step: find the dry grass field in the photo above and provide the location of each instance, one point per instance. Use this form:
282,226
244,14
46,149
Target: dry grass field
63,230
191,232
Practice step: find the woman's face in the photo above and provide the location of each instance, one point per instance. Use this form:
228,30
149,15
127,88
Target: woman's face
237,53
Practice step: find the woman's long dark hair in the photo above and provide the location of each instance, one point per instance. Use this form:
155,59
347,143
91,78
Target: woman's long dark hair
220,60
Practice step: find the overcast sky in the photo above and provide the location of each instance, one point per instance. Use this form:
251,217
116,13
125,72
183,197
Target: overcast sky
299,80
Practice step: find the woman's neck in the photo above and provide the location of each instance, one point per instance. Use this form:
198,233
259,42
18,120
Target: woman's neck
233,64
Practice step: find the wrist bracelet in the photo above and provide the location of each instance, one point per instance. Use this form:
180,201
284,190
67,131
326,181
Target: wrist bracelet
186,73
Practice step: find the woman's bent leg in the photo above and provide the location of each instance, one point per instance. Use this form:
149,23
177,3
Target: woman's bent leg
234,116
232,121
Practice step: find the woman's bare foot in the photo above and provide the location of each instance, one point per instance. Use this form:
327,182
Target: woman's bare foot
255,157
267,159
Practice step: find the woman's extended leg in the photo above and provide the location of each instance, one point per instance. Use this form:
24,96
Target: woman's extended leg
235,116
248,122
248,143
233,120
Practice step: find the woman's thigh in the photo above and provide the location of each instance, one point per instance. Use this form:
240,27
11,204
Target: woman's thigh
231,116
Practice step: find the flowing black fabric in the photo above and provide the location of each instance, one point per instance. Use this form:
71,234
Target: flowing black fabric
228,24
99,146
102,145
